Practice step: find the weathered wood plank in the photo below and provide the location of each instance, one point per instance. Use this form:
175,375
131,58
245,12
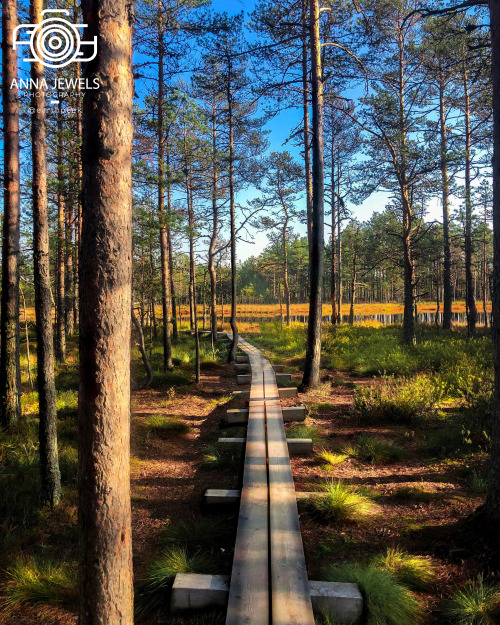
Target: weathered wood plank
249,591
291,600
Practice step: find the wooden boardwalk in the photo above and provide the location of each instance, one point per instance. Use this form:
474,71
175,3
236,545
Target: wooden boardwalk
269,584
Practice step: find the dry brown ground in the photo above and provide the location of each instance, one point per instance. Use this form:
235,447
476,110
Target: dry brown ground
168,485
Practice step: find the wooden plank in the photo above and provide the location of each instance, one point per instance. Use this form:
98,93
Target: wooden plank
291,600
249,591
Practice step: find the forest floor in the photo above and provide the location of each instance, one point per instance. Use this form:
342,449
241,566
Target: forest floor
429,476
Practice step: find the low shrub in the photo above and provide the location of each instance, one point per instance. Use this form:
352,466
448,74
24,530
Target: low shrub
330,458
219,458
299,430
165,425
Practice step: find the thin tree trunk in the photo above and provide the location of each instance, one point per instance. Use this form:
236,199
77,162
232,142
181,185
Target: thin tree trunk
164,249
68,271
471,300
215,232
305,101
313,350
339,246
27,337
106,580
485,266
232,206
10,372
175,331
333,257
445,186
50,476
142,349
192,276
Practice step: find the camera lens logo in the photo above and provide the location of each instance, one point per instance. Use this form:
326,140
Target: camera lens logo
55,42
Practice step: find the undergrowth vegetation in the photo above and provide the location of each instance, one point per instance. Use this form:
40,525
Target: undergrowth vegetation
338,503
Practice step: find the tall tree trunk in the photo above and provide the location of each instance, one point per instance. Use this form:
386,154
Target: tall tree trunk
485,265
339,246
492,505
232,206
10,372
50,477
164,251
286,285
175,331
333,257
106,580
68,270
215,231
61,244
471,300
313,350
306,121
78,217
445,186
192,275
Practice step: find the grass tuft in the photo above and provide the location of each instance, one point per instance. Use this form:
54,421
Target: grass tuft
218,458
476,604
33,582
330,458
166,425
416,572
375,450
387,602
339,504
299,430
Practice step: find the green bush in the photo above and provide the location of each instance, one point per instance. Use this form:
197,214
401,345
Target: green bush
375,450
386,601
476,604
416,572
339,504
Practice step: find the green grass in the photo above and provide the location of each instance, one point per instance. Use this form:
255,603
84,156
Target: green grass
34,582
339,504
299,430
330,459
478,483
386,601
375,450
218,458
412,493
152,590
167,425
416,572
477,603
394,400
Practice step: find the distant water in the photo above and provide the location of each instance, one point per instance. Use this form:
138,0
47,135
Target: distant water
387,319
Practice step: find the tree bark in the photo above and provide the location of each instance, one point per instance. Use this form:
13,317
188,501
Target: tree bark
307,148
106,581
215,231
50,477
492,506
333,257
10,373
192,275
471,300
313,349
173,299
164,251
445,186
232,206
61,244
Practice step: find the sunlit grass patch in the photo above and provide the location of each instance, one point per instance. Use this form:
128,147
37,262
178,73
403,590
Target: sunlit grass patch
416,572
166,425
330,458
34,582
299,430
413,493
375,450
339,504
386,601
478,603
